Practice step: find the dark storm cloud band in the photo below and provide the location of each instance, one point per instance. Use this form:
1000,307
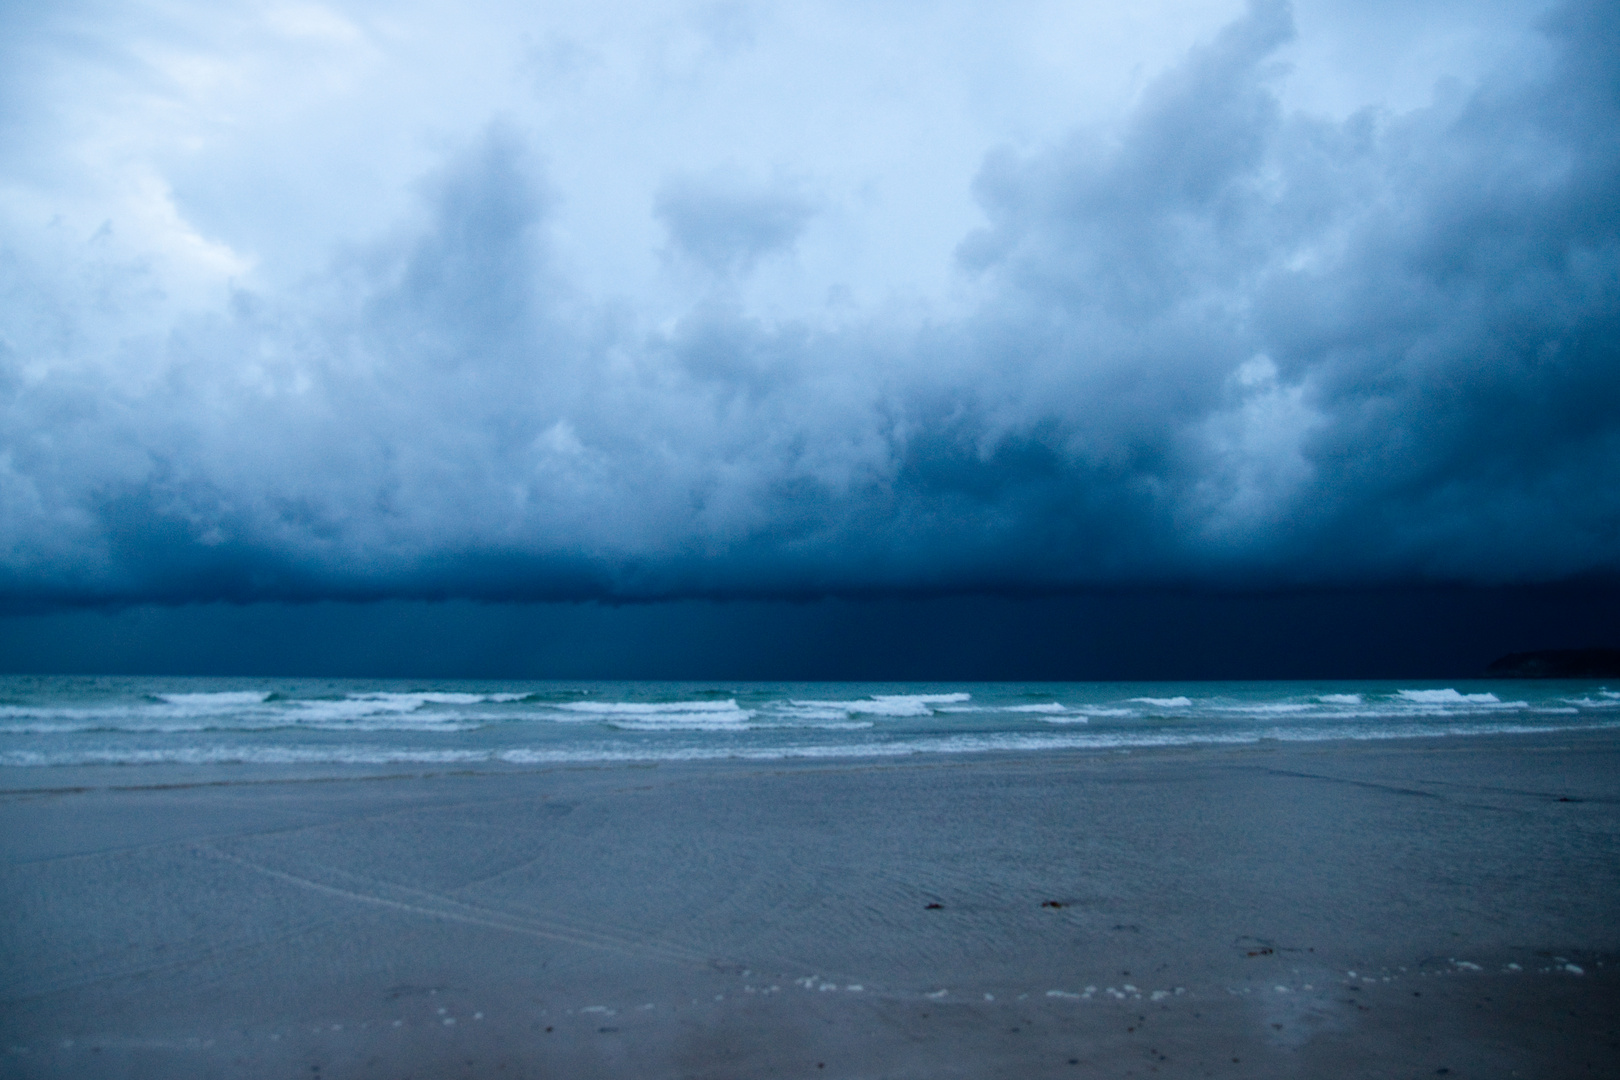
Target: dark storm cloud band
1225,345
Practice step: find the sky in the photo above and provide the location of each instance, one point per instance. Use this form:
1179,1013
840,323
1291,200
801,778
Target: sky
416,319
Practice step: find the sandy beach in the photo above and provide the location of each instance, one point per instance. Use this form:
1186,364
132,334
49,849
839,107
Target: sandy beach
1406,908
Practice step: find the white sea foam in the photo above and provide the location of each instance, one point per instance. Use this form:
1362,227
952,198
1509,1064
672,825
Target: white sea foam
68,727
350,708
652,708
380,712
889,704
255,711
246,755
923,699
404,710
222,700
181,726
1005,742
800,724
685,722
405,702
448,712
664,715
804,711
150,722
1450,697
1409,731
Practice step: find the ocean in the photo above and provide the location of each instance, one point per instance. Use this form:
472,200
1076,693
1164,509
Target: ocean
151,721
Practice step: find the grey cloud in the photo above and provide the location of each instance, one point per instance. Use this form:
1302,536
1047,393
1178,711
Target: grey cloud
1223,345
726,224
1434,293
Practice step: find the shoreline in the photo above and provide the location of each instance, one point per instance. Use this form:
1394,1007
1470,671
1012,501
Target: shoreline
258,924
88,777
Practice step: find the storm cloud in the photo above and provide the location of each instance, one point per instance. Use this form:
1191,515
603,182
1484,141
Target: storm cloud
1220,339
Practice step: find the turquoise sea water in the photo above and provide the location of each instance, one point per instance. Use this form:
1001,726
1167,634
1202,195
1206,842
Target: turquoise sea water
49,721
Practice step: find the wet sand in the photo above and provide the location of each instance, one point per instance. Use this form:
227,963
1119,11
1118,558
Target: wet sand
1415,908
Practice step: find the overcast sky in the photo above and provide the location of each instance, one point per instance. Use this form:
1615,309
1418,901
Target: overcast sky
643,300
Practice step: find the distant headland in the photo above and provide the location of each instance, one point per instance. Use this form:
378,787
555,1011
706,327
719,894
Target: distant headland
1557,664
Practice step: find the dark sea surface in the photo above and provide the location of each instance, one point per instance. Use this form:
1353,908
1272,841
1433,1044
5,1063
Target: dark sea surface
51,721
